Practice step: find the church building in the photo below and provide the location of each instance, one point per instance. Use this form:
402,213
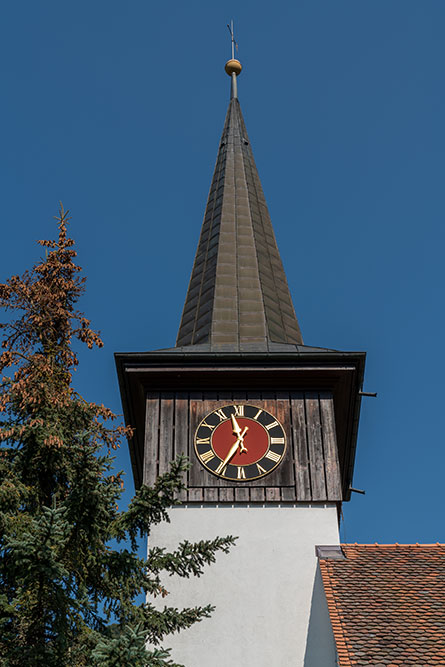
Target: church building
269,426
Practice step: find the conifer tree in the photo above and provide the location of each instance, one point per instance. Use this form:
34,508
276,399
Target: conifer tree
70,574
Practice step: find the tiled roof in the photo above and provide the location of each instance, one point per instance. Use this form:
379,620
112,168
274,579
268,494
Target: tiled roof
387,604
238,292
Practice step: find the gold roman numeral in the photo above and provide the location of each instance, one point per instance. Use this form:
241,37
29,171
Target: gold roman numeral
261,470
221,469
207,456
273,456
258,414
210,426
241,473
277,441
271,425
239,410
221,415
204,441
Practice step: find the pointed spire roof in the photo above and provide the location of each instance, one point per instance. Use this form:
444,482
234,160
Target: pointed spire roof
238,292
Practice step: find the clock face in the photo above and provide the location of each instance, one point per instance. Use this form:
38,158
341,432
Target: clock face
240,442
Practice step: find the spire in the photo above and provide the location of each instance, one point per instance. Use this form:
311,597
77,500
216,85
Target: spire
238,292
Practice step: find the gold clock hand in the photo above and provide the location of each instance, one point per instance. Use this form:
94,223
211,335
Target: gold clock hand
232,450
236,426
241,439
231,453
237,431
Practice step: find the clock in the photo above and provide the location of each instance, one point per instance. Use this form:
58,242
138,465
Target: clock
240,442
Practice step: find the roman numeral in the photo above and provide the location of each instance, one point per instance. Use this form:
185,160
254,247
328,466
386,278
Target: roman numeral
271,425
273,456
239,410
241,473
277,441
204,441
258,414
221,469
210,426
260,469
207,456
221,415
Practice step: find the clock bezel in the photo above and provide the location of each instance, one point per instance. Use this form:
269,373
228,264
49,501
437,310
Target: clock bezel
231,479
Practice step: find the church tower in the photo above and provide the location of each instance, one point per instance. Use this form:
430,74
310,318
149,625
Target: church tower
269,426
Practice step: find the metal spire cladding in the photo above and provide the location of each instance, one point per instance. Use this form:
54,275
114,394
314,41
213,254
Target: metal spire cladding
238,293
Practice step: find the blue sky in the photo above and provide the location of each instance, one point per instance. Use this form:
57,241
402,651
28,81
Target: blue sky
117,108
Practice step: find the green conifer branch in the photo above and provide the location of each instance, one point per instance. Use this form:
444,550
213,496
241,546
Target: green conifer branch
70,572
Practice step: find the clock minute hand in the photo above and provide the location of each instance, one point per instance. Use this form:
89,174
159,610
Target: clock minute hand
232,450
231,453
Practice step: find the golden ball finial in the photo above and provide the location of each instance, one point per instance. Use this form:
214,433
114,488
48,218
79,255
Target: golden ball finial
233,66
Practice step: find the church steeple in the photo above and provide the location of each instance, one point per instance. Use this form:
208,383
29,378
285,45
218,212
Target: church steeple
269,426
238,293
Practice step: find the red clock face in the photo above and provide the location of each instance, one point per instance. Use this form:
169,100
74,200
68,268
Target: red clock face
240,442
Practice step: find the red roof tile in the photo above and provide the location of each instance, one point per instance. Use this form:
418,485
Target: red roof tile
387,604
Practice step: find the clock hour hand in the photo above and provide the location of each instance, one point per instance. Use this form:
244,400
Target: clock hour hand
237,431
236,426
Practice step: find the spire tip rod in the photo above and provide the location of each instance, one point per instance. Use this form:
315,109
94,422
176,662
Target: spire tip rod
233,66
232,36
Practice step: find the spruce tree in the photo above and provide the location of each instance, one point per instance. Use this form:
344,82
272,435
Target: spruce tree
70,574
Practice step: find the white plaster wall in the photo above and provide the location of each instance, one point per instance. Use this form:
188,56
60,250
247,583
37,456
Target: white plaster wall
263,589
320,644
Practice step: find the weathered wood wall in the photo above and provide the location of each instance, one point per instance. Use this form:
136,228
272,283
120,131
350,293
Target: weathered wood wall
309,471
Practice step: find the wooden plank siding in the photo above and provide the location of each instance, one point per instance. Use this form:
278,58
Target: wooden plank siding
301,454
332,468
315,446
151,440
181,438
166,430
309,471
